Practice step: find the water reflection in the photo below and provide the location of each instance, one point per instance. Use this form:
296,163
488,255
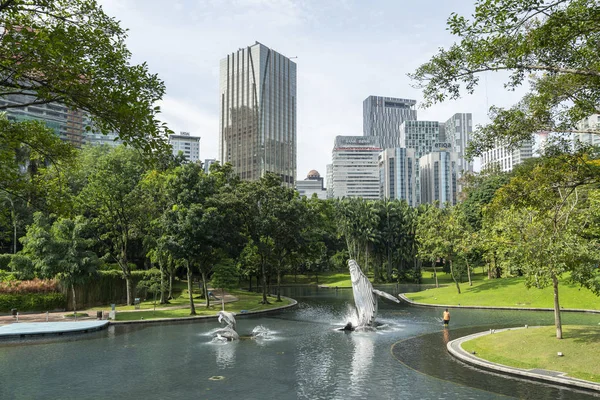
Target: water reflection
225,354
362,358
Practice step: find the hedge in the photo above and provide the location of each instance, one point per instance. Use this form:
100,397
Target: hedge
33,302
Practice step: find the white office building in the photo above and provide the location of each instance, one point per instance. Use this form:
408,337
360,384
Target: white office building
439,176
312,184
504,159
355,167
187,144
397,175
588,126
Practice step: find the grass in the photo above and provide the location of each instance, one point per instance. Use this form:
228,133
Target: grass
79,315
508,292
538,348
478,274
246,301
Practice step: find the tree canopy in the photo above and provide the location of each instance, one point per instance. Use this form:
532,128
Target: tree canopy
552,44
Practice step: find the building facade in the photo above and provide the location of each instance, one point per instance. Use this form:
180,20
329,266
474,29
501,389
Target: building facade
187,144
505,159
312,184
66,123
207,163
355,167
458,132
257,124
382,117
588,126
329,181
420,136
397,175
439,177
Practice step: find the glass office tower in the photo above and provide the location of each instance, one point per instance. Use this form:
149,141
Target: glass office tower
382,117
257,125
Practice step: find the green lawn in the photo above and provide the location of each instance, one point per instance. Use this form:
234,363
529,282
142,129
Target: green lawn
247,301
538,348
508,292
478,274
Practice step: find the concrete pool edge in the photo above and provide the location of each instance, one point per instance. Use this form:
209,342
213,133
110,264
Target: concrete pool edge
21,330
202,317
403,297
454,347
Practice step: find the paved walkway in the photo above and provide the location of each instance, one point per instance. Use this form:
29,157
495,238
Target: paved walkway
455,349
61,316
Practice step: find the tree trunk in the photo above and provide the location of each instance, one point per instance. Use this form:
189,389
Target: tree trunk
389,265
453,277
205,288
190,289
170,286
469,273
435,274
557,321
264,283
162,284
278,285
129,285
222,299
74,301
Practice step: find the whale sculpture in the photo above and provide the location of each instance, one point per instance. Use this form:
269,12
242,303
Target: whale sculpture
228,332
365,298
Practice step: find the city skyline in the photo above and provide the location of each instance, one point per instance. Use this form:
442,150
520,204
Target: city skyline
346,51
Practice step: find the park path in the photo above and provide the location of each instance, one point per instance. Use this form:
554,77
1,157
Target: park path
60,315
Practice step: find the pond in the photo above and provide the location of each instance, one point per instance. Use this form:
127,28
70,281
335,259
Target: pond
304,357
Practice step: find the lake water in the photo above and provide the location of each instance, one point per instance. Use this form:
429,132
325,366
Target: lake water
304,357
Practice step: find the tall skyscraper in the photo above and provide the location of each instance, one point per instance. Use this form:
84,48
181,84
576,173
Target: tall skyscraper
397,173
439,176
421,137
355,170
459,129
257,125
382,117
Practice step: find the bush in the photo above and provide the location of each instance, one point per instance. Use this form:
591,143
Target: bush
4,261
29,286
32,302
6,276
23,265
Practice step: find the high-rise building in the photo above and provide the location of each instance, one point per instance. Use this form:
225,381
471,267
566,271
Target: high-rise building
187,144
588,126
329,185
458,132
312,184
421,137
66,123
397,174
99,139
355,167
503,158
207,163
439,176
382,117
257,124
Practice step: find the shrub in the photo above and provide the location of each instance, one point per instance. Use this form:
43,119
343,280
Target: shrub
30,286
32,302
4,261
23,265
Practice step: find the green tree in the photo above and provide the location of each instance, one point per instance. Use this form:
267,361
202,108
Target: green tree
551,43
71,52
61,251
538,217
112,200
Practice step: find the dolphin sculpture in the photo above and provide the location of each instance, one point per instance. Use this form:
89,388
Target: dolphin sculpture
364,297
228,332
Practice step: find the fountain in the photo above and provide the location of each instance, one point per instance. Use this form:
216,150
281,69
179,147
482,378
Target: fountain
228,333
364,299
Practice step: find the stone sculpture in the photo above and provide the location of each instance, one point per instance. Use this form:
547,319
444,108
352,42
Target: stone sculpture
365,298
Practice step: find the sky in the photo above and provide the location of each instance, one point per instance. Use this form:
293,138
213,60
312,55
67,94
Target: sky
346,51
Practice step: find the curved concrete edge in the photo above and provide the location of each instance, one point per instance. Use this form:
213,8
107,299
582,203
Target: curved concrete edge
202,317
403,297
455,349
29,329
